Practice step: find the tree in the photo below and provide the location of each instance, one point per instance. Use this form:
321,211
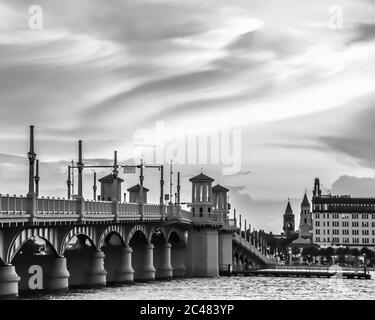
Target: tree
355,252
296,251
329,253
306,251
341,252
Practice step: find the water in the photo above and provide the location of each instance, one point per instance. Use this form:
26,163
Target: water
234,288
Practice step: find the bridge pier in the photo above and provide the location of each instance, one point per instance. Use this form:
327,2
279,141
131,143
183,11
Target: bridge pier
162,259
239,264
143,264
203,252
8,281
86,268
118,264
178,260
57,277
225,251
234,268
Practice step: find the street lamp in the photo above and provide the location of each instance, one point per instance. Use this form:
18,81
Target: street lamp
364,263
290,255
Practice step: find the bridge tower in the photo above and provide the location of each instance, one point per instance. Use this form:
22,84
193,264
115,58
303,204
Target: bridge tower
203,241
111,185
220,198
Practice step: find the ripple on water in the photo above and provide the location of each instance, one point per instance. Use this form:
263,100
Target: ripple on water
234,288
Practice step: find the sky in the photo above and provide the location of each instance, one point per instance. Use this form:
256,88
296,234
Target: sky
285,89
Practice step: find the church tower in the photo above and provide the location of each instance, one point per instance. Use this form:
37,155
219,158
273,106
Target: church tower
317,193
288,223
305,225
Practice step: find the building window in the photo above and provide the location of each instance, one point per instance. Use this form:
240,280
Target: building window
317,215
355,216
345,232
345,240
335,216
335,223
365,240
317,239
345,224
335,231
354,224
209,209
335,240
355,240
317,224
364,216
317,231
373,224
365,224
365,232
355,232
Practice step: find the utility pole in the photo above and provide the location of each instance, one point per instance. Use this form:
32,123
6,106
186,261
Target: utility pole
171,183
94,186
37,179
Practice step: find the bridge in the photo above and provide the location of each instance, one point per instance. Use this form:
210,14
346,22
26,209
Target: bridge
85,243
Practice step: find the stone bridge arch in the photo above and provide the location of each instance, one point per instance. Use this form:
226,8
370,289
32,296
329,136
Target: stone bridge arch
138,227
112,229
88,231
178,232
46,234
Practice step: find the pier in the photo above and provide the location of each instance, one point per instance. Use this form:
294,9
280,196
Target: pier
305,272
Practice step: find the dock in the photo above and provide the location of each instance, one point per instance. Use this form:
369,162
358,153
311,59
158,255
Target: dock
305,272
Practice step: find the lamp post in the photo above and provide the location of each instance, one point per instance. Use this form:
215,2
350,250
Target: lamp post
364,263
290,255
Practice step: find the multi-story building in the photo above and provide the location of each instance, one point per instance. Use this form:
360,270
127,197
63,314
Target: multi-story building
342,220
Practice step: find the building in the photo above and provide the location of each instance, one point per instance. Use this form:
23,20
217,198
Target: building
288,221
342,220
305,235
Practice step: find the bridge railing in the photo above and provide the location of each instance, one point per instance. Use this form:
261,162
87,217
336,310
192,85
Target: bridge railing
151,209
251,248
46,207
13,204
55,206
128,209
98,207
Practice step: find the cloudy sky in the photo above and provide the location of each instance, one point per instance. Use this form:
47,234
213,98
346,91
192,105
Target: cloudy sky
294,80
